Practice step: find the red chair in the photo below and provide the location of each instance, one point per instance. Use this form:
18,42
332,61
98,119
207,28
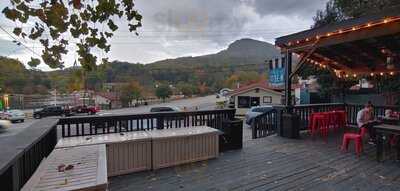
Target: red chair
357,138
319,122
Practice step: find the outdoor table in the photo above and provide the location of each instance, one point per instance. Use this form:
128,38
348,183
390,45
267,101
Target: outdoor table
183,145
385,129
126,152
390,120
89,172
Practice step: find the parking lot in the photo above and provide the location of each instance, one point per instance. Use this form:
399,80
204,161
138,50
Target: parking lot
200,103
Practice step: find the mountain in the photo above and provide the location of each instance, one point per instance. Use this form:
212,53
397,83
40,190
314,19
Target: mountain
241,52
242,61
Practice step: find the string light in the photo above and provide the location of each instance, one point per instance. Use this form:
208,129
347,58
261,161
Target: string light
340,31
355,75
391,73
381,73
372,74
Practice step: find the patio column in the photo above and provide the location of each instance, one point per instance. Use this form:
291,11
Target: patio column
288,81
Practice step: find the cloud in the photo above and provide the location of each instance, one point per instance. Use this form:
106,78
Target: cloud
8,48
175,28
300,8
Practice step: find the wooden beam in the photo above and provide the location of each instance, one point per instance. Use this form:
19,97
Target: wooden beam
332,62
361,34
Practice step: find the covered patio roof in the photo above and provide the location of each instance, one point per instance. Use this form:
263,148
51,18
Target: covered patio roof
366,45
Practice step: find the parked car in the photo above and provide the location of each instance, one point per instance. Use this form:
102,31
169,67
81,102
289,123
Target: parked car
91,110
165,109
256,111
4,124
51,111
13,115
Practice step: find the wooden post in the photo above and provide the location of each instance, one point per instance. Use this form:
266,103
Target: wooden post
288,80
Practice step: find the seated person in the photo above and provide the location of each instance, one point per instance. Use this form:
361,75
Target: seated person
365,118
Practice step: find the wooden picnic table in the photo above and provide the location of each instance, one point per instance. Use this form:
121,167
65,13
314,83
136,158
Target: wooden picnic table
89,172
385,130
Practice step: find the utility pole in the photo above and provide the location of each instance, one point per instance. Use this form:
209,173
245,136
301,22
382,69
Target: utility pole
55,96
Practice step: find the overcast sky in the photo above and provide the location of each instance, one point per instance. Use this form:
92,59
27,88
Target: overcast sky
175,28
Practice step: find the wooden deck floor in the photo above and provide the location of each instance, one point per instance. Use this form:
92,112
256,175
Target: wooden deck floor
274,163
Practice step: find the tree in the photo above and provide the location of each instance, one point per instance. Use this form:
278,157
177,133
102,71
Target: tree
187,89
76,18
244,78
163,91
129,92
339,10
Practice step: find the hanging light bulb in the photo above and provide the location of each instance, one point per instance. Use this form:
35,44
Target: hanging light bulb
372,74
389,63
391,73
381,73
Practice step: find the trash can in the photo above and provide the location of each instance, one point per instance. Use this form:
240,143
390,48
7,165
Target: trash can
290,125
232,135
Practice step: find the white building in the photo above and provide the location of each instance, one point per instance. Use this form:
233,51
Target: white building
258,94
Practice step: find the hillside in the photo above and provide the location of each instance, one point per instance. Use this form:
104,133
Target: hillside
242,61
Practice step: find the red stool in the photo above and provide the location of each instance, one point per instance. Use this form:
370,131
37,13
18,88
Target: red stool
358,140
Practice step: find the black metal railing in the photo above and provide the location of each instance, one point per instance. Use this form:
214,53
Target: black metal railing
22,153
94,125
266,124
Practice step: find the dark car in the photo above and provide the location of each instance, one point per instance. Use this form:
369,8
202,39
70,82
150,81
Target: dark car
51,111
165,109
91,110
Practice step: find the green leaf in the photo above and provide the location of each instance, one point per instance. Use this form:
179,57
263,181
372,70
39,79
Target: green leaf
111,25
17,31
34,62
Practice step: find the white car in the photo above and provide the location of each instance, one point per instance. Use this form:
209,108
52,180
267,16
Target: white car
14,115
256,111
4,124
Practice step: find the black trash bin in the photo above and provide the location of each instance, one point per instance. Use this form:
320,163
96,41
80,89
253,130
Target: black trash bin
290,126
232,135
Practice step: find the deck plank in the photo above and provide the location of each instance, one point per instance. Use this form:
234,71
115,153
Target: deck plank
274,163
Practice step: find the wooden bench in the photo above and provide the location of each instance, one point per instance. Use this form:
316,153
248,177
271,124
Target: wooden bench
126,152
89,171
176,146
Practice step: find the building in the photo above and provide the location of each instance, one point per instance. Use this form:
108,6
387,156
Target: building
107,100
254,95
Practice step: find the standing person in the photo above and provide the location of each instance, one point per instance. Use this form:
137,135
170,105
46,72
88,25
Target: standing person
366,119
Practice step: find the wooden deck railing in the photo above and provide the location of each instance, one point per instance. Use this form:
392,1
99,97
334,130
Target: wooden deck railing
94,125
22,153
266,124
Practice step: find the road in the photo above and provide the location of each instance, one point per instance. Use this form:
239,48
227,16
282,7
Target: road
202,103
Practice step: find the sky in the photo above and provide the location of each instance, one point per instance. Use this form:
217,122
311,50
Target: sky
176,28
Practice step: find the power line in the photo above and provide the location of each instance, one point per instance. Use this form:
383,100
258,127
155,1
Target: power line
18,41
